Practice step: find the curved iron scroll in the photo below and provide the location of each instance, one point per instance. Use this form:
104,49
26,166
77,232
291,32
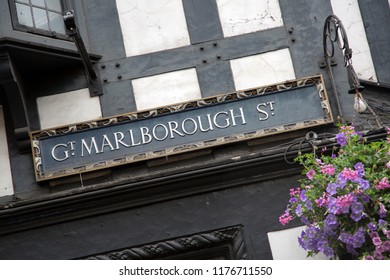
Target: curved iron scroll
334,34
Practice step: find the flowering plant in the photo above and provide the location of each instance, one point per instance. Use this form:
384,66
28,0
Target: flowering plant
344,199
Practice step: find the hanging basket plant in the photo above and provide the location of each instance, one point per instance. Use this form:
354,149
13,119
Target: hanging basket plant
344,199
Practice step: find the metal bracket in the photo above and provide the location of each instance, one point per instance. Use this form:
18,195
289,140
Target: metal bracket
95,88
322,63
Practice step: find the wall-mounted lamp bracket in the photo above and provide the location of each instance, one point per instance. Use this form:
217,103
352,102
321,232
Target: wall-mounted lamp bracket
72,31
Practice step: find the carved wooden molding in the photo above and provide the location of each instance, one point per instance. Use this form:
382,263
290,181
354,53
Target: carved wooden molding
229,236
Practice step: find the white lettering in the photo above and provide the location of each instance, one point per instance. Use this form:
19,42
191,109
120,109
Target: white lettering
132,139
173,128
145,134
241,115
119,140
227,120
165,133
65,152
183,126
106,142
89,148
200,124
266,115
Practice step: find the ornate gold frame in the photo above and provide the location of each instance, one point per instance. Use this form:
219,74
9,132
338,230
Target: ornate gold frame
309,81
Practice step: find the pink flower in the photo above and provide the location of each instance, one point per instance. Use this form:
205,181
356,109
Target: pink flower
310,174
293,191
327,169
349,174
285,218
388,165
376,241
383,184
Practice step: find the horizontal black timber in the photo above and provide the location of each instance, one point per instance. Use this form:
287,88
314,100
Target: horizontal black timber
254,43
190,56
147,64
117,196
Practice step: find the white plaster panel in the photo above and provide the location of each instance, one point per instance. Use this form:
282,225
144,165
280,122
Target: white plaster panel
284,245
246,16
165,89
349,13
67,108
6,184
262,69
152,25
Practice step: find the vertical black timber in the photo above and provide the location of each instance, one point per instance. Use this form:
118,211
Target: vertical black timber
304,20
376,19
202,20
205,30
215,78
104,29
118,98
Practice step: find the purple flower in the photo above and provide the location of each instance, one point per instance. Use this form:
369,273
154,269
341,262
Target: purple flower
357,207
356,216
372,226
364,184
302,196
351,250
341,181
331,220
298,210
359,167
334,209
332,205
311,232
332,188
364,198
382,211
346,238
369,257
341,139
293,200
309,205
310,174
382,223
328,251
305,220
358,238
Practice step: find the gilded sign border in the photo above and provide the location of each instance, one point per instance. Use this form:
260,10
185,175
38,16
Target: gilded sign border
288,85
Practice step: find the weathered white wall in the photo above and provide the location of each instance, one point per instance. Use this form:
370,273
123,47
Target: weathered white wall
284,245
152,25
246,16
262,69
6,184
165,89
349,13
67,108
